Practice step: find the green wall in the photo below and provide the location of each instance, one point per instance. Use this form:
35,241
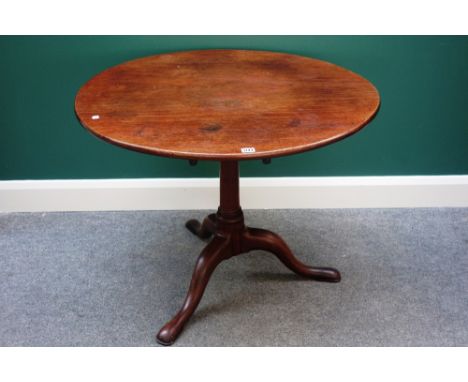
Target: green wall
422,126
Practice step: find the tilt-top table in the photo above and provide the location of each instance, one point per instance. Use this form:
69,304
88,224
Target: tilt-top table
226,105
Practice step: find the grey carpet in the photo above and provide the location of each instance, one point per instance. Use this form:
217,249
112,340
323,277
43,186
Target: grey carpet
113,278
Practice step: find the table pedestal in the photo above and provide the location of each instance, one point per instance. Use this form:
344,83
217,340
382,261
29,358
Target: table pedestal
230,238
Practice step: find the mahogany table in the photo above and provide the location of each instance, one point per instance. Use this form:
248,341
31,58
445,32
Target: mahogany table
226,105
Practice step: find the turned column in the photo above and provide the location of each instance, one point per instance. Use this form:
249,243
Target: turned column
229,188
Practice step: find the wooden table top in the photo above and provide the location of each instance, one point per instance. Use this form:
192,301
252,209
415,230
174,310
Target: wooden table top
225,104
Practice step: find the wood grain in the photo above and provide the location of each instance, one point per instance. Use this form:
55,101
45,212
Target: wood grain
209,104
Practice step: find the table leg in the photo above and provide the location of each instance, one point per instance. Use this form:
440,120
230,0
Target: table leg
261,239
203,230
216,251
231,237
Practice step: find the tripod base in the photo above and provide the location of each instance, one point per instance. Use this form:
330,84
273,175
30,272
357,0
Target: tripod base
230,237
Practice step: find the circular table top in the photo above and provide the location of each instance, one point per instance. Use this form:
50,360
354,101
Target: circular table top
225,104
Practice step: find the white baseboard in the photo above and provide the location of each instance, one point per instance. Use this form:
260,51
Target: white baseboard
202,193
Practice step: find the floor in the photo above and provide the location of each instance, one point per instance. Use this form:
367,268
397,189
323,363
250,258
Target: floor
114,278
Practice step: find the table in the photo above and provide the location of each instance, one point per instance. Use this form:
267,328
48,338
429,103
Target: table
228,106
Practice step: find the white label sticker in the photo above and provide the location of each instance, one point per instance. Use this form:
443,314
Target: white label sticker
95,117
247,150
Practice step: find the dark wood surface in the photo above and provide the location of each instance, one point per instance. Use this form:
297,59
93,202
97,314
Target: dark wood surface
211,104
